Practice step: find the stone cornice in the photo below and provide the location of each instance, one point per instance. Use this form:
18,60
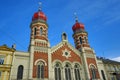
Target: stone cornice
6,48
39,21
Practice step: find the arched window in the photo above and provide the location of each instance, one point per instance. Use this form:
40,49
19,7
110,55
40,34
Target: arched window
77,72
80,40
103,75
93,71
68,72
57,71
20,72
35,31
64,36
41,31
1,60
85,38
40,70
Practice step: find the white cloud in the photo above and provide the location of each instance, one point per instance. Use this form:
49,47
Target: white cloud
116,59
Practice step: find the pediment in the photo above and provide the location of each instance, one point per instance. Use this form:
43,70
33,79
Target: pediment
64,51
66,48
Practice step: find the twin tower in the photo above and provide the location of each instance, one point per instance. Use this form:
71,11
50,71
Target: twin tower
61,62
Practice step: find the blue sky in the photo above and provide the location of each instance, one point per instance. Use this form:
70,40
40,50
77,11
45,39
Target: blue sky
100,17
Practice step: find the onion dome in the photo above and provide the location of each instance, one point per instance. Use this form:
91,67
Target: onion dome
39,15
78,26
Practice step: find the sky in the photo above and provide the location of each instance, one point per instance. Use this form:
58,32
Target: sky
100,17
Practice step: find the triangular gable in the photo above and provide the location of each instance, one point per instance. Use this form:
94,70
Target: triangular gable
65,52
61,44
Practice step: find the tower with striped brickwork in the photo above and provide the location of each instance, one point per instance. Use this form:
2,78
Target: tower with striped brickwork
39,46
80,37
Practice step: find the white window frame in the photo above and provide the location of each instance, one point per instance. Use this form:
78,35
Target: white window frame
80,39
40,70
93,71
1,60
41,31
59,74
77,74
68,74
35,31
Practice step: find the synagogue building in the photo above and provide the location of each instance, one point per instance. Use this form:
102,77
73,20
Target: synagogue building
60,62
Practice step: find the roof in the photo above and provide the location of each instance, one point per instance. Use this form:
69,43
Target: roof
108,61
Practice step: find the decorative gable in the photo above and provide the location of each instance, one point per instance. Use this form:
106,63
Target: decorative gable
65,52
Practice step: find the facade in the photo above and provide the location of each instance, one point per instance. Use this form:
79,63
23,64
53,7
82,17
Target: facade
6,59
111,69
60,62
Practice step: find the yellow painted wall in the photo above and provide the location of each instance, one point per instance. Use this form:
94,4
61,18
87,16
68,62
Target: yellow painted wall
7,55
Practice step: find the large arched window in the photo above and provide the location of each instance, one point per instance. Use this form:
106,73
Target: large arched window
80,40
40,70
57,71
68,72
20,72
41,31
93,71
103,75
77,72
35,31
